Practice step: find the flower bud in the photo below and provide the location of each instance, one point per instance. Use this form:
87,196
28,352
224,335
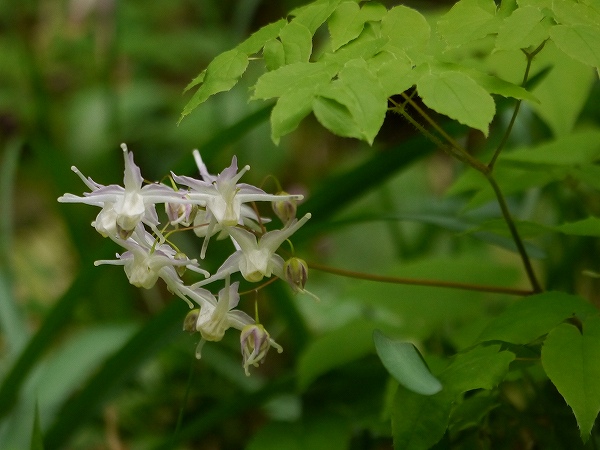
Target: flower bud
295,271
189,323
285,209
255,342
181,214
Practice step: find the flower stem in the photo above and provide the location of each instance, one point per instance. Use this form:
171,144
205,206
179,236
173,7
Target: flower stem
420,282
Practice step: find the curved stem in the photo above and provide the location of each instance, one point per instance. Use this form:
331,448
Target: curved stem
514,233
420,282
529,57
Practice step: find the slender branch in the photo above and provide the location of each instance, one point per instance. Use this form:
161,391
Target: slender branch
504,140
420,282
514,233
461,154
453,147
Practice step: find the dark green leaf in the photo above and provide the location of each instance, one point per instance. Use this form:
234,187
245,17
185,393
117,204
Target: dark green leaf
405,364
572,361
531,317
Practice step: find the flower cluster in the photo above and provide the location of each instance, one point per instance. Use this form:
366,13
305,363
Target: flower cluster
214,205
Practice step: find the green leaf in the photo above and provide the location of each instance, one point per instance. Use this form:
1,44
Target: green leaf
571,360
297,42
459,97
571,12
419,421
345,344
315,14
354,105
221,75
532,317
523,28
580,42
579,147
467,21
345,24
395,75
585,227
37,438
404,362
290,109
273,54
293,76
258,39
482,367
406,28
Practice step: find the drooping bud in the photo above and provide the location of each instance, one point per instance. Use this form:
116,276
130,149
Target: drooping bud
180,256
285,209
295,271
181,214
189,323
255,342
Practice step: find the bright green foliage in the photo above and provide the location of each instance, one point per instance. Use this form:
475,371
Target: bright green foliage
405,364
582,42
458,96
467,21
394,50
523,28
571,358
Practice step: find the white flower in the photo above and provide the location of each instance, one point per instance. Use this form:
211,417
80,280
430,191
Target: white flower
124,207
146,260
256,259
217,316
256,342
223,196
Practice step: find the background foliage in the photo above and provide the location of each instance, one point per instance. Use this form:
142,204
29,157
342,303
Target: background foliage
106,365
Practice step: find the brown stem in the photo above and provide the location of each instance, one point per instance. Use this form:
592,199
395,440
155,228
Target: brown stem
420,282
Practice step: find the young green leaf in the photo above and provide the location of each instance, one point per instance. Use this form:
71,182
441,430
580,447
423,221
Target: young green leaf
293,76
221,75
273,54
529,318
580,42
315,14
406,28
523,28
403,361
290,109
354,105
459,97
572,361
37,438
467,21
297,42
258,39
345,24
